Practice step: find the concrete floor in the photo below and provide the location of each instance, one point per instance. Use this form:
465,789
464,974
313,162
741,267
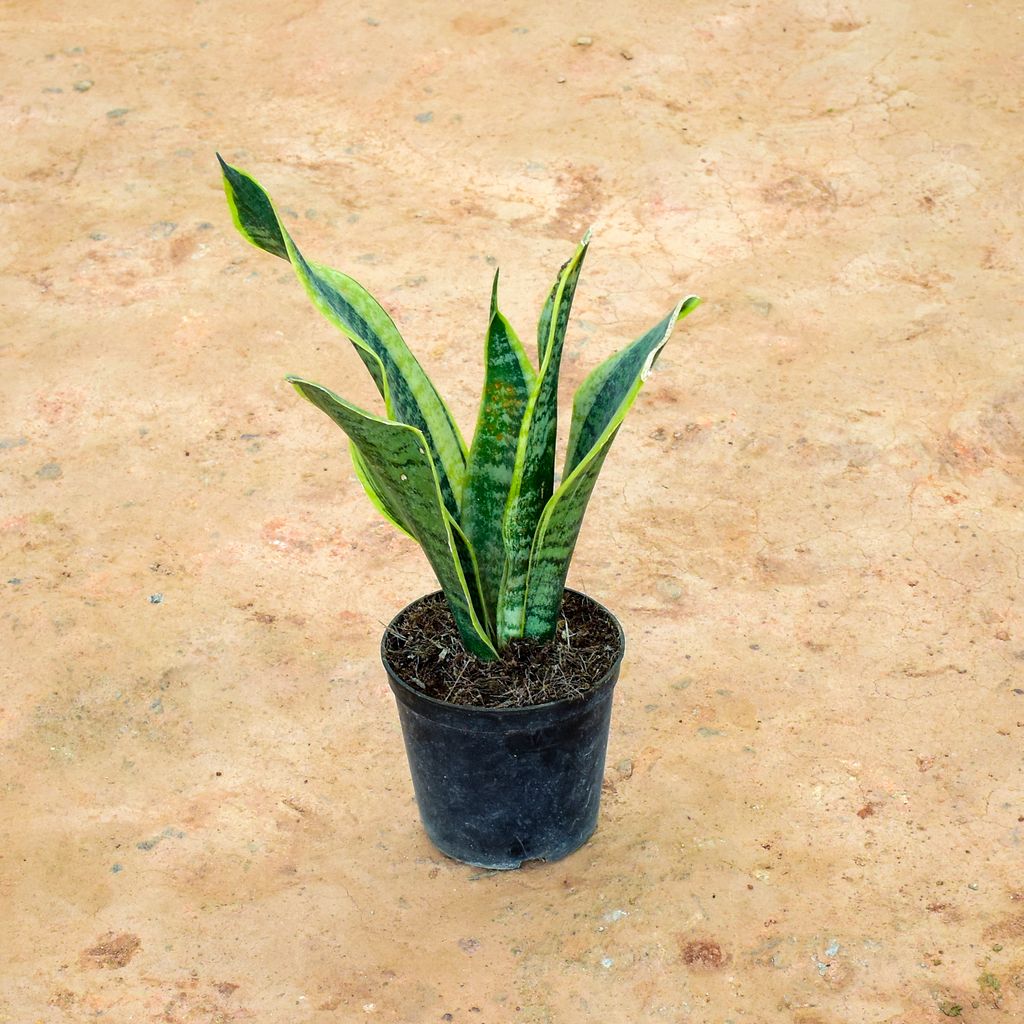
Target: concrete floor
811,525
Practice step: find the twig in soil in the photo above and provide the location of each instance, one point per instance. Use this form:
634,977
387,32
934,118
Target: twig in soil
426,649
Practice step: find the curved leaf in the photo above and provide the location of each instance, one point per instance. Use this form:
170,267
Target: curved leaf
409,396
363,473
600,405
403,474
599,398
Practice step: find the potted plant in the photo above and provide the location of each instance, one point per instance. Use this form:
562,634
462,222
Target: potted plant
503,679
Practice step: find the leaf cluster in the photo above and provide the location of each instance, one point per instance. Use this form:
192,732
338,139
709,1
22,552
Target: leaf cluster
496,529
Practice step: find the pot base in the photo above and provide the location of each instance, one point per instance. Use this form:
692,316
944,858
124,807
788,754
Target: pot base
557,850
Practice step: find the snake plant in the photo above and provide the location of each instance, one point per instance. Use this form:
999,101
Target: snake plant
496,527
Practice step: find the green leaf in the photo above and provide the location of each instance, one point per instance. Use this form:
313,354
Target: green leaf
395,459
599,398
508,380
600,405
534,471
409,396
471,570
544,324
551,328
364,475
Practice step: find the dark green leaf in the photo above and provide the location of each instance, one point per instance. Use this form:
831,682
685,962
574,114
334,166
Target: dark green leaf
409,396
599,408
508,379
394,457
534,472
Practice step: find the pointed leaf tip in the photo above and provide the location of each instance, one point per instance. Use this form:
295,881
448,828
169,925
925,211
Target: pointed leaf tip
229,171
409,396
494,293
688,305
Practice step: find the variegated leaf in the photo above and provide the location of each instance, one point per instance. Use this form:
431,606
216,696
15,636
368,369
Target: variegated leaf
409,396
467,557
544,323
395,458
600,405
508,380
364,475
534,472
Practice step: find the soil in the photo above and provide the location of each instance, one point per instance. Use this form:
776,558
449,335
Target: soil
809,526
111,951
425,649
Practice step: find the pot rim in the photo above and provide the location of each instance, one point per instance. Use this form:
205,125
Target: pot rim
608,678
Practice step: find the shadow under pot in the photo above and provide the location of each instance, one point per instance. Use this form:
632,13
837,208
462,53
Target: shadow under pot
499,786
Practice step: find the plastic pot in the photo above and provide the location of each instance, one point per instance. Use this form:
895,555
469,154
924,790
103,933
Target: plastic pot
496,787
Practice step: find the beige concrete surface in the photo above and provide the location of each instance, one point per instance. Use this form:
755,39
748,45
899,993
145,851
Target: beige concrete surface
810,527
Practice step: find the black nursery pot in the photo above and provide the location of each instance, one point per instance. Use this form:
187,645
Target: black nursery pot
496,787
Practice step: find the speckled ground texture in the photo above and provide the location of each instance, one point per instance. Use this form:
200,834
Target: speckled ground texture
810,527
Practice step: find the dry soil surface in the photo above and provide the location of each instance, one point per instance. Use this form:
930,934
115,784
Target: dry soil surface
810,527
